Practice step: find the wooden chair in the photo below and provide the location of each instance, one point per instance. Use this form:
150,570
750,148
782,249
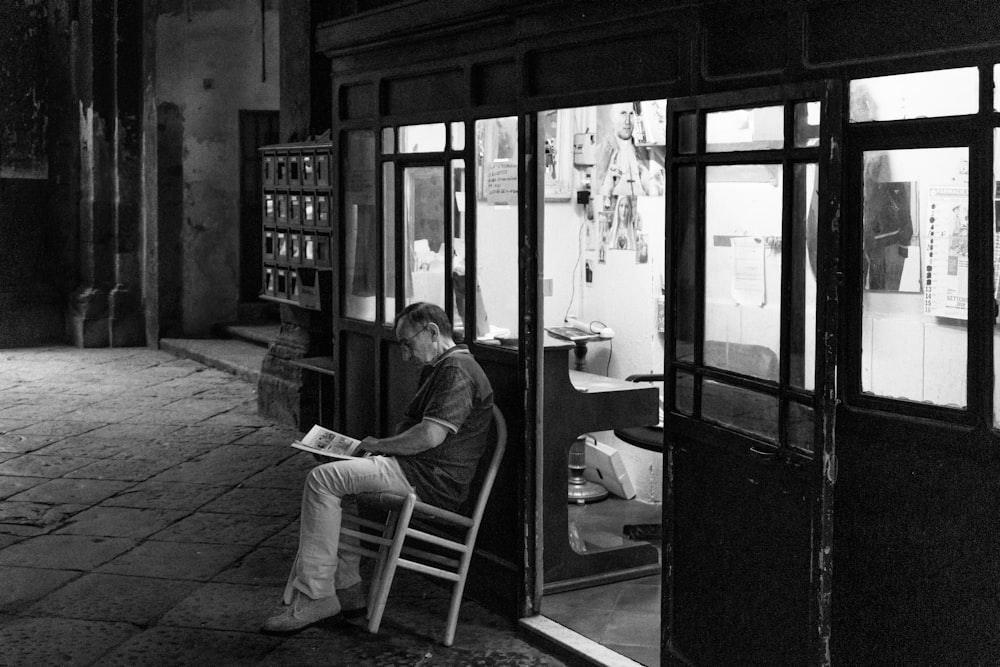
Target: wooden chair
437,553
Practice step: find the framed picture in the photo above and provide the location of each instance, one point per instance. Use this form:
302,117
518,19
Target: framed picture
557,161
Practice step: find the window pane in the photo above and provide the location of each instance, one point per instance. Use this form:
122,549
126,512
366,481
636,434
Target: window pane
389,240
801,427
914,340
457,136
421,138
996,273
457,199
744,129
684,399
496,227
388,141
741,409
996,88
802,252
685,254
360,233
687,133
743,268
948,92
807,124
423,220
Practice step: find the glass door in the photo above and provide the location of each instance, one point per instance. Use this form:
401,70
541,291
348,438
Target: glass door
745,373
917,438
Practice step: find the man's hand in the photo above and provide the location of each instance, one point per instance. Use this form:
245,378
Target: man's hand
369,444
418,438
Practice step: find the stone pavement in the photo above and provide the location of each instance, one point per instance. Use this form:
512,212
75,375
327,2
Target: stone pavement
148,516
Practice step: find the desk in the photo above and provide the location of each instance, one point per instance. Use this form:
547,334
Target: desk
575,403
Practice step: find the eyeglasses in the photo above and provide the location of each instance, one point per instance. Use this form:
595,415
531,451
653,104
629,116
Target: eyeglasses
407,343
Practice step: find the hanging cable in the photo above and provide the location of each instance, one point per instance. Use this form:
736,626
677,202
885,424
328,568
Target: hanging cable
576,268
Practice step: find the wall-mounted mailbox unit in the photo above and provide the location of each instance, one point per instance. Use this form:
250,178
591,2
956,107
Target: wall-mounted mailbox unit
297,265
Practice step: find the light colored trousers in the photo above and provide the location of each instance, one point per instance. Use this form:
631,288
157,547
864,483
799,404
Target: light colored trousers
319,570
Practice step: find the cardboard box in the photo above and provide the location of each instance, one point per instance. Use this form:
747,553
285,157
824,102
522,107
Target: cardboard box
604,466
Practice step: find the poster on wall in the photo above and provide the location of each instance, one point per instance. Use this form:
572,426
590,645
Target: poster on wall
629,153
946,293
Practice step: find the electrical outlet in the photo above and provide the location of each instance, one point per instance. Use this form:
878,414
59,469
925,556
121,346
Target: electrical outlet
546,286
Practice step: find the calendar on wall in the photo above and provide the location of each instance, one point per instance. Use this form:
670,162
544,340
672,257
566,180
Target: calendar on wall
946,260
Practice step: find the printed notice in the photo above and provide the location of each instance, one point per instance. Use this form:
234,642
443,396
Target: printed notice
501,184
748,271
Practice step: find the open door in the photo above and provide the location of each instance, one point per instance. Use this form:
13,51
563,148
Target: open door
750,357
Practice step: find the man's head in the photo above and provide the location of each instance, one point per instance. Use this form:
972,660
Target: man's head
423,331
622,119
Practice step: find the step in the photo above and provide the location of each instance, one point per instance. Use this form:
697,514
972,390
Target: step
259,333
235,356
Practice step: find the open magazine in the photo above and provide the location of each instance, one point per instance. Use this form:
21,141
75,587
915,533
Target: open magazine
325,442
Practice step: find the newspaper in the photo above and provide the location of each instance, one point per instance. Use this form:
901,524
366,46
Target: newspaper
329,443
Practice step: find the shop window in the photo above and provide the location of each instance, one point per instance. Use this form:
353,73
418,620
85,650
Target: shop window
916,274
996,89
458,136
428,138
422,217
423,220
496,228
950,92
389,241
360,231
807,124
745,129
995,182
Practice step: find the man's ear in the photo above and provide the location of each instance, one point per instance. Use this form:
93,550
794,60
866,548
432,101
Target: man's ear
434,329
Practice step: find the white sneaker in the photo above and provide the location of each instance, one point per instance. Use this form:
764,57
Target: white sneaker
302,613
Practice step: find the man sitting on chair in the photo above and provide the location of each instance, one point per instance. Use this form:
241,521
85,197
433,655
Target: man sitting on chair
434,453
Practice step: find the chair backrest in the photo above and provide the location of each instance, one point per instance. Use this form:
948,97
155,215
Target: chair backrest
483,483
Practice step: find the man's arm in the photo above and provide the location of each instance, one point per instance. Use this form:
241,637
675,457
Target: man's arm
418,438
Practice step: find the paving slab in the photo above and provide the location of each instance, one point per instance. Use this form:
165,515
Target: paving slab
260,567
65,491
30,519
172,560
36,640
219,528
166,495
65,552
225,606
256,500
24,585
191,647
14,484
140,601
120,521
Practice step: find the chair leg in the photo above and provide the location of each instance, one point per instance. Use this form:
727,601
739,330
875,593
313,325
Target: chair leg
388,569
456,600
388,533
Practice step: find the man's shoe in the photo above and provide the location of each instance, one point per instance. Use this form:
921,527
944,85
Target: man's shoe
352,600
302,613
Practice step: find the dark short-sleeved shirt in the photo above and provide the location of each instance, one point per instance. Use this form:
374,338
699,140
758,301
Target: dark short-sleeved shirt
454,392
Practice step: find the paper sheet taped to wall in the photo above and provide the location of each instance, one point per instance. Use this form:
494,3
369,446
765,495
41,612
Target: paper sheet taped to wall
748,271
